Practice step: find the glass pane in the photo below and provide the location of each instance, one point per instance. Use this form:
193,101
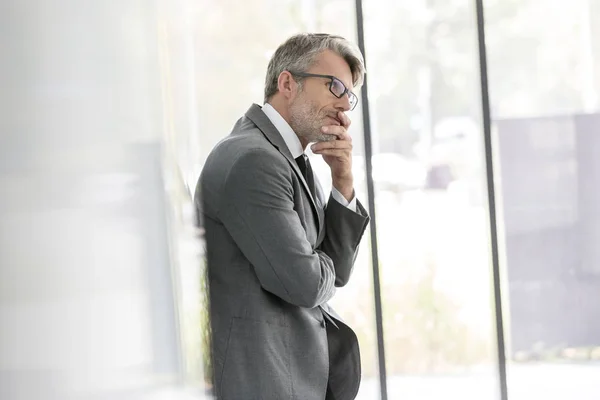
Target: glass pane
180,149
90,240
544,87
231,78
432,216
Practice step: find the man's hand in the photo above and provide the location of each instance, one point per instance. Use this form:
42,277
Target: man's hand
338,155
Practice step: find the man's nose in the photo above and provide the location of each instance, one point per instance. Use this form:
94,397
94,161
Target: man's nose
343,103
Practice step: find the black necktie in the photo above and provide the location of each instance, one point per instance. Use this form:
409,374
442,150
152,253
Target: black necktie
304,165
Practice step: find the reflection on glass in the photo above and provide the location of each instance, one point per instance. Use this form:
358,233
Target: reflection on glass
432,215
178,58
544,86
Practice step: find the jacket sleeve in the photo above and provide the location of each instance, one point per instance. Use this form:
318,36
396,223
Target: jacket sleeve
258,212
344,230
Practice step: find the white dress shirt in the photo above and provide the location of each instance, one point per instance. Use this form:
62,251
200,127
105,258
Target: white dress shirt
295,147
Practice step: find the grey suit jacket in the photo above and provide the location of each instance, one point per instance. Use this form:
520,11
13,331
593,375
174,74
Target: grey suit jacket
275,256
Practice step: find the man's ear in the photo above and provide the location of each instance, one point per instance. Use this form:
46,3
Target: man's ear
286,84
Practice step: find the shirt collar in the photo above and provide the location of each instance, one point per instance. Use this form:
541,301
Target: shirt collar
285,130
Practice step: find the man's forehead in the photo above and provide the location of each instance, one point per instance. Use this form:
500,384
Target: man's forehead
330,63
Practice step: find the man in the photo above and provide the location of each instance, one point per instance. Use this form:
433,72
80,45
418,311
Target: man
276,248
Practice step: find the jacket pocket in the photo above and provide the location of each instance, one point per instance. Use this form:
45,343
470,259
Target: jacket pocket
257,364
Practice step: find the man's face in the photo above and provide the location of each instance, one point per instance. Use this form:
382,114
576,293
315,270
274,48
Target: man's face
314,106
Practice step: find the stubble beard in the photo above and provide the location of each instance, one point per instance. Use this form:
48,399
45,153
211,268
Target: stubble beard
307,123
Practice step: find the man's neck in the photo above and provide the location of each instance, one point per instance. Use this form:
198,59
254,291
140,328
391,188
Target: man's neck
283,111
280,108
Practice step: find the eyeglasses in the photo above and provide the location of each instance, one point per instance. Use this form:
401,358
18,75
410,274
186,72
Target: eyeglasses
336,87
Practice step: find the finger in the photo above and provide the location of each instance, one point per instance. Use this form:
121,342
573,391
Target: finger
339,131
344,119
337,153
333,144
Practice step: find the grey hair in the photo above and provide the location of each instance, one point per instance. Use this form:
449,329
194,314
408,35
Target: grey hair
299,53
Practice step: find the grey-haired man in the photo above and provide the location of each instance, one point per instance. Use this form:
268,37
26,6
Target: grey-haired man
276,246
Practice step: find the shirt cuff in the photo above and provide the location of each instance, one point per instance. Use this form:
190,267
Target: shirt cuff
342,200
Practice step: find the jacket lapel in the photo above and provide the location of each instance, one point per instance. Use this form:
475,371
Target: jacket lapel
256,115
